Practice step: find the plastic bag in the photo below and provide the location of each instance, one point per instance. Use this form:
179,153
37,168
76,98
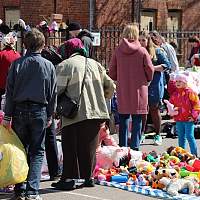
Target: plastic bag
13,161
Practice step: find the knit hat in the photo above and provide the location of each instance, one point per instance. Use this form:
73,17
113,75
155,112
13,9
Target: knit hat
72,46
182,77
74,26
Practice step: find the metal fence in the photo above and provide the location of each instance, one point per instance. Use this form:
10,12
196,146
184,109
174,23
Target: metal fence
111,36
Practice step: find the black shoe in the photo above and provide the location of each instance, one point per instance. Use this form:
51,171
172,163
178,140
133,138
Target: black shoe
55,178
64,185
89,183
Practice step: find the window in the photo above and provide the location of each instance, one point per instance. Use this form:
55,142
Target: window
173,20
12,15
148,20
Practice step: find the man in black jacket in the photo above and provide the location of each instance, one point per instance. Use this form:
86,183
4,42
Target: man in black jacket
84,35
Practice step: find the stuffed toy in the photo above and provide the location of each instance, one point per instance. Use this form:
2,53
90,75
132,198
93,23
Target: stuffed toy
165,172
170,160
196,183
138,180
152,157
109,156
173,187
170,107
157,185
135,156
181,153
54,26
142,180
62,27
143,167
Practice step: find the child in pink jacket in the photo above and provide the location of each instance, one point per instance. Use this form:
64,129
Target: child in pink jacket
187,103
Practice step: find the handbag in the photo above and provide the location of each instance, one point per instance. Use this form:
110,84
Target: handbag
68,107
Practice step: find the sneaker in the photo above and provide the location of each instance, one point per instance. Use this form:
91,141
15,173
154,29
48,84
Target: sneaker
142,139
33,197
64,185
17,197
89,183
158,140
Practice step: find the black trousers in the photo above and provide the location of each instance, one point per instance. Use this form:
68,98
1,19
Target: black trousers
79,143
51,150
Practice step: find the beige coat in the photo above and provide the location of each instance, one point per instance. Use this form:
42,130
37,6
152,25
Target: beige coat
70,74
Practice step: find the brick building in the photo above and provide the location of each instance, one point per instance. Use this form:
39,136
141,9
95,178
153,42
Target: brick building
157,14
32,12
160,14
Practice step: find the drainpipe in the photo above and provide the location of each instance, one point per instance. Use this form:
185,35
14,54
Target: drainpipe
55,6
91,14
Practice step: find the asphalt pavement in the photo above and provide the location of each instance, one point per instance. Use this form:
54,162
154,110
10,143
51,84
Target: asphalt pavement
103,192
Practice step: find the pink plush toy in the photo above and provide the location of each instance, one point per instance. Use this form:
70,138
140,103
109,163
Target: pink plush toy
170,108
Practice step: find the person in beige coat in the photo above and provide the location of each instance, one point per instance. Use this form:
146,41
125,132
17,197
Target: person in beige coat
80,134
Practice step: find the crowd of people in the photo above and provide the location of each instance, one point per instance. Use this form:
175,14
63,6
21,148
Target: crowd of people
138,76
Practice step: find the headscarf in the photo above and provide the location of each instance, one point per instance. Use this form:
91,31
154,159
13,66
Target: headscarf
9,39
74,45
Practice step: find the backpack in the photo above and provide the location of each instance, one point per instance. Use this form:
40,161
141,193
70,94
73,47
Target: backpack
170,129
50,53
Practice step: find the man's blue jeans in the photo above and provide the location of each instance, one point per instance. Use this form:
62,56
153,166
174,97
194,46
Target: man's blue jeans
186,131
136,130
29,123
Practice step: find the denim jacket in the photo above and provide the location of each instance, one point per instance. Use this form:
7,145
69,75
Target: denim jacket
31,78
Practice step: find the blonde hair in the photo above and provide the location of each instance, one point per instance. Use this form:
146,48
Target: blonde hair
131,32
151,47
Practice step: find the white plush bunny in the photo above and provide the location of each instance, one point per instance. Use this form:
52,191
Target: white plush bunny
173,186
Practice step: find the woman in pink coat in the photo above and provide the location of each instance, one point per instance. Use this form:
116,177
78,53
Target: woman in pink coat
132,68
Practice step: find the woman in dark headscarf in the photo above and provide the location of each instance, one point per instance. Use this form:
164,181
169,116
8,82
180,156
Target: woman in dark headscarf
80,134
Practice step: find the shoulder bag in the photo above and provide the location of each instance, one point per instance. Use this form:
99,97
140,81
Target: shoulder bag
68,107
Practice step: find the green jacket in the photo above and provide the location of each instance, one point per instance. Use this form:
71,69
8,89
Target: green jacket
70,75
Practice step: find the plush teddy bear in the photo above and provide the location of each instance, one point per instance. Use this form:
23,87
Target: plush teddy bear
143,166
170,107
181,153
176,185
165,172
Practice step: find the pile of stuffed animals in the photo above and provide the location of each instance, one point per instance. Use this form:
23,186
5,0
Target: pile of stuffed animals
175,171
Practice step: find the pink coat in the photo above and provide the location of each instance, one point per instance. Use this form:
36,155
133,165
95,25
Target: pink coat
132,68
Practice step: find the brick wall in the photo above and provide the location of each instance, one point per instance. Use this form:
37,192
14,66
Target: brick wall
37,10
107,12
7,3
76,10
112,12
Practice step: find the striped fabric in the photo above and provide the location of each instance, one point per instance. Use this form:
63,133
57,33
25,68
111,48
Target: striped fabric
147,190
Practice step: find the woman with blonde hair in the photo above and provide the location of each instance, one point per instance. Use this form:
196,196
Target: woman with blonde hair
132,68
156,87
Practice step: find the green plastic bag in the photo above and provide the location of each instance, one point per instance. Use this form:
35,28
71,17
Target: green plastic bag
13,161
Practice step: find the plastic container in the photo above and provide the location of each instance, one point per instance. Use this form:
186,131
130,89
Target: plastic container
119,179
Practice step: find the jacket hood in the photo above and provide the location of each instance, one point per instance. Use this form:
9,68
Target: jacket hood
87,33
127,47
